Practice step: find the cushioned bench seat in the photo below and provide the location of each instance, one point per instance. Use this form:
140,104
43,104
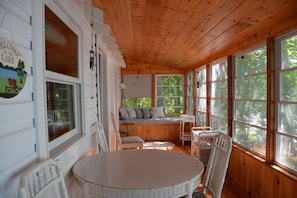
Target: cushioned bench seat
150,124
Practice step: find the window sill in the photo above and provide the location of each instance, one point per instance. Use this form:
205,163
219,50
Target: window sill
64,146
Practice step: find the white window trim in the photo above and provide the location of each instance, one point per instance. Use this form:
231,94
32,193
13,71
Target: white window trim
61,143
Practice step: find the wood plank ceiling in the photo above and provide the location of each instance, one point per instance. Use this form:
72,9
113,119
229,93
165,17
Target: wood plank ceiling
184,33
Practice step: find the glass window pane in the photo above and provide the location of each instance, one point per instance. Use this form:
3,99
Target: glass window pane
288,85
251,137
258,87
286,151
242,88
242,110
243,65
201,90
201,106
61,45
60,109
288,119
289,52
170,92
258,61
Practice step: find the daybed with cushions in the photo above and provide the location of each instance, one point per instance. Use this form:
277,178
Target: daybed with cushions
150,124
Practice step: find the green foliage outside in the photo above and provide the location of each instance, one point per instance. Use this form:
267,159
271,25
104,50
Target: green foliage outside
138,102
170,93
250,100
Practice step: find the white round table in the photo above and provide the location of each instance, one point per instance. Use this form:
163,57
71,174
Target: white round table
138,173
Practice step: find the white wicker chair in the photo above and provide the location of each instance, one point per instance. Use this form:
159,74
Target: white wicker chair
43,180
101,138
217,167
126,142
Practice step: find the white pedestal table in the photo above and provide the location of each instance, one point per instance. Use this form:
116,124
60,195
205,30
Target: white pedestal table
138,173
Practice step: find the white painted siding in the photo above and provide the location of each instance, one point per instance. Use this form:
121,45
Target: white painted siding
21,21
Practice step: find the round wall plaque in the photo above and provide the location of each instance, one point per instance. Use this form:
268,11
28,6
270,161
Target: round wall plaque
12,69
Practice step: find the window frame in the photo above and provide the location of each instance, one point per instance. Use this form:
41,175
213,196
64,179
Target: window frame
190,93
61,143
247,123
181,96
279,101
219,99
201,116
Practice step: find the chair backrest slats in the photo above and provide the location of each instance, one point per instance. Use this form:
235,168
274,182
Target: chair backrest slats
217,165
116,128
101,138
44,180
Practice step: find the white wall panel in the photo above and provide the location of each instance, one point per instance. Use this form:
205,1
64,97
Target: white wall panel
14,148
18,134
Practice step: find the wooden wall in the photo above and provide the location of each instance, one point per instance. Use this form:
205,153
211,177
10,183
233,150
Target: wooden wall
157,132
257,178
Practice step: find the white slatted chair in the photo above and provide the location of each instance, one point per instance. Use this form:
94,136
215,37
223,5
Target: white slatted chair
43,180
101,138
217,167
126,142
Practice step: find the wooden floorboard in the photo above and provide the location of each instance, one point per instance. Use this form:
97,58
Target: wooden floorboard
230,190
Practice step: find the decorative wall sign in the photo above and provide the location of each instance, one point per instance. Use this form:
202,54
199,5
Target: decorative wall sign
12,69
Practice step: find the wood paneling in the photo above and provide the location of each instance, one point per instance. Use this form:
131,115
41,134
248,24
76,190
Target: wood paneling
257,178
155,132
187,34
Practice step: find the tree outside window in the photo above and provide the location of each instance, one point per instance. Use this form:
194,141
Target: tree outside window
250,114
286,134
169,93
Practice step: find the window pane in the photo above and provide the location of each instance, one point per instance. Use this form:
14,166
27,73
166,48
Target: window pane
201,105
201,91
286,151
251,137
61,46
242,87
201,118
289,52
288,119
250,120
219,107
219,71
170,93
288,85
242,110
258,87
137,102
60,109
258,61
219,124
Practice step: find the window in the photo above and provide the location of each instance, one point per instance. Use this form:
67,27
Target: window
201,97
169,93
138,102
286,134
62,80
219,96
134,94
190,89
250,100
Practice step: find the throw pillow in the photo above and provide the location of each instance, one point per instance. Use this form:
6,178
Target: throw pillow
146,113
157,112
131,112
124,113
138,113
